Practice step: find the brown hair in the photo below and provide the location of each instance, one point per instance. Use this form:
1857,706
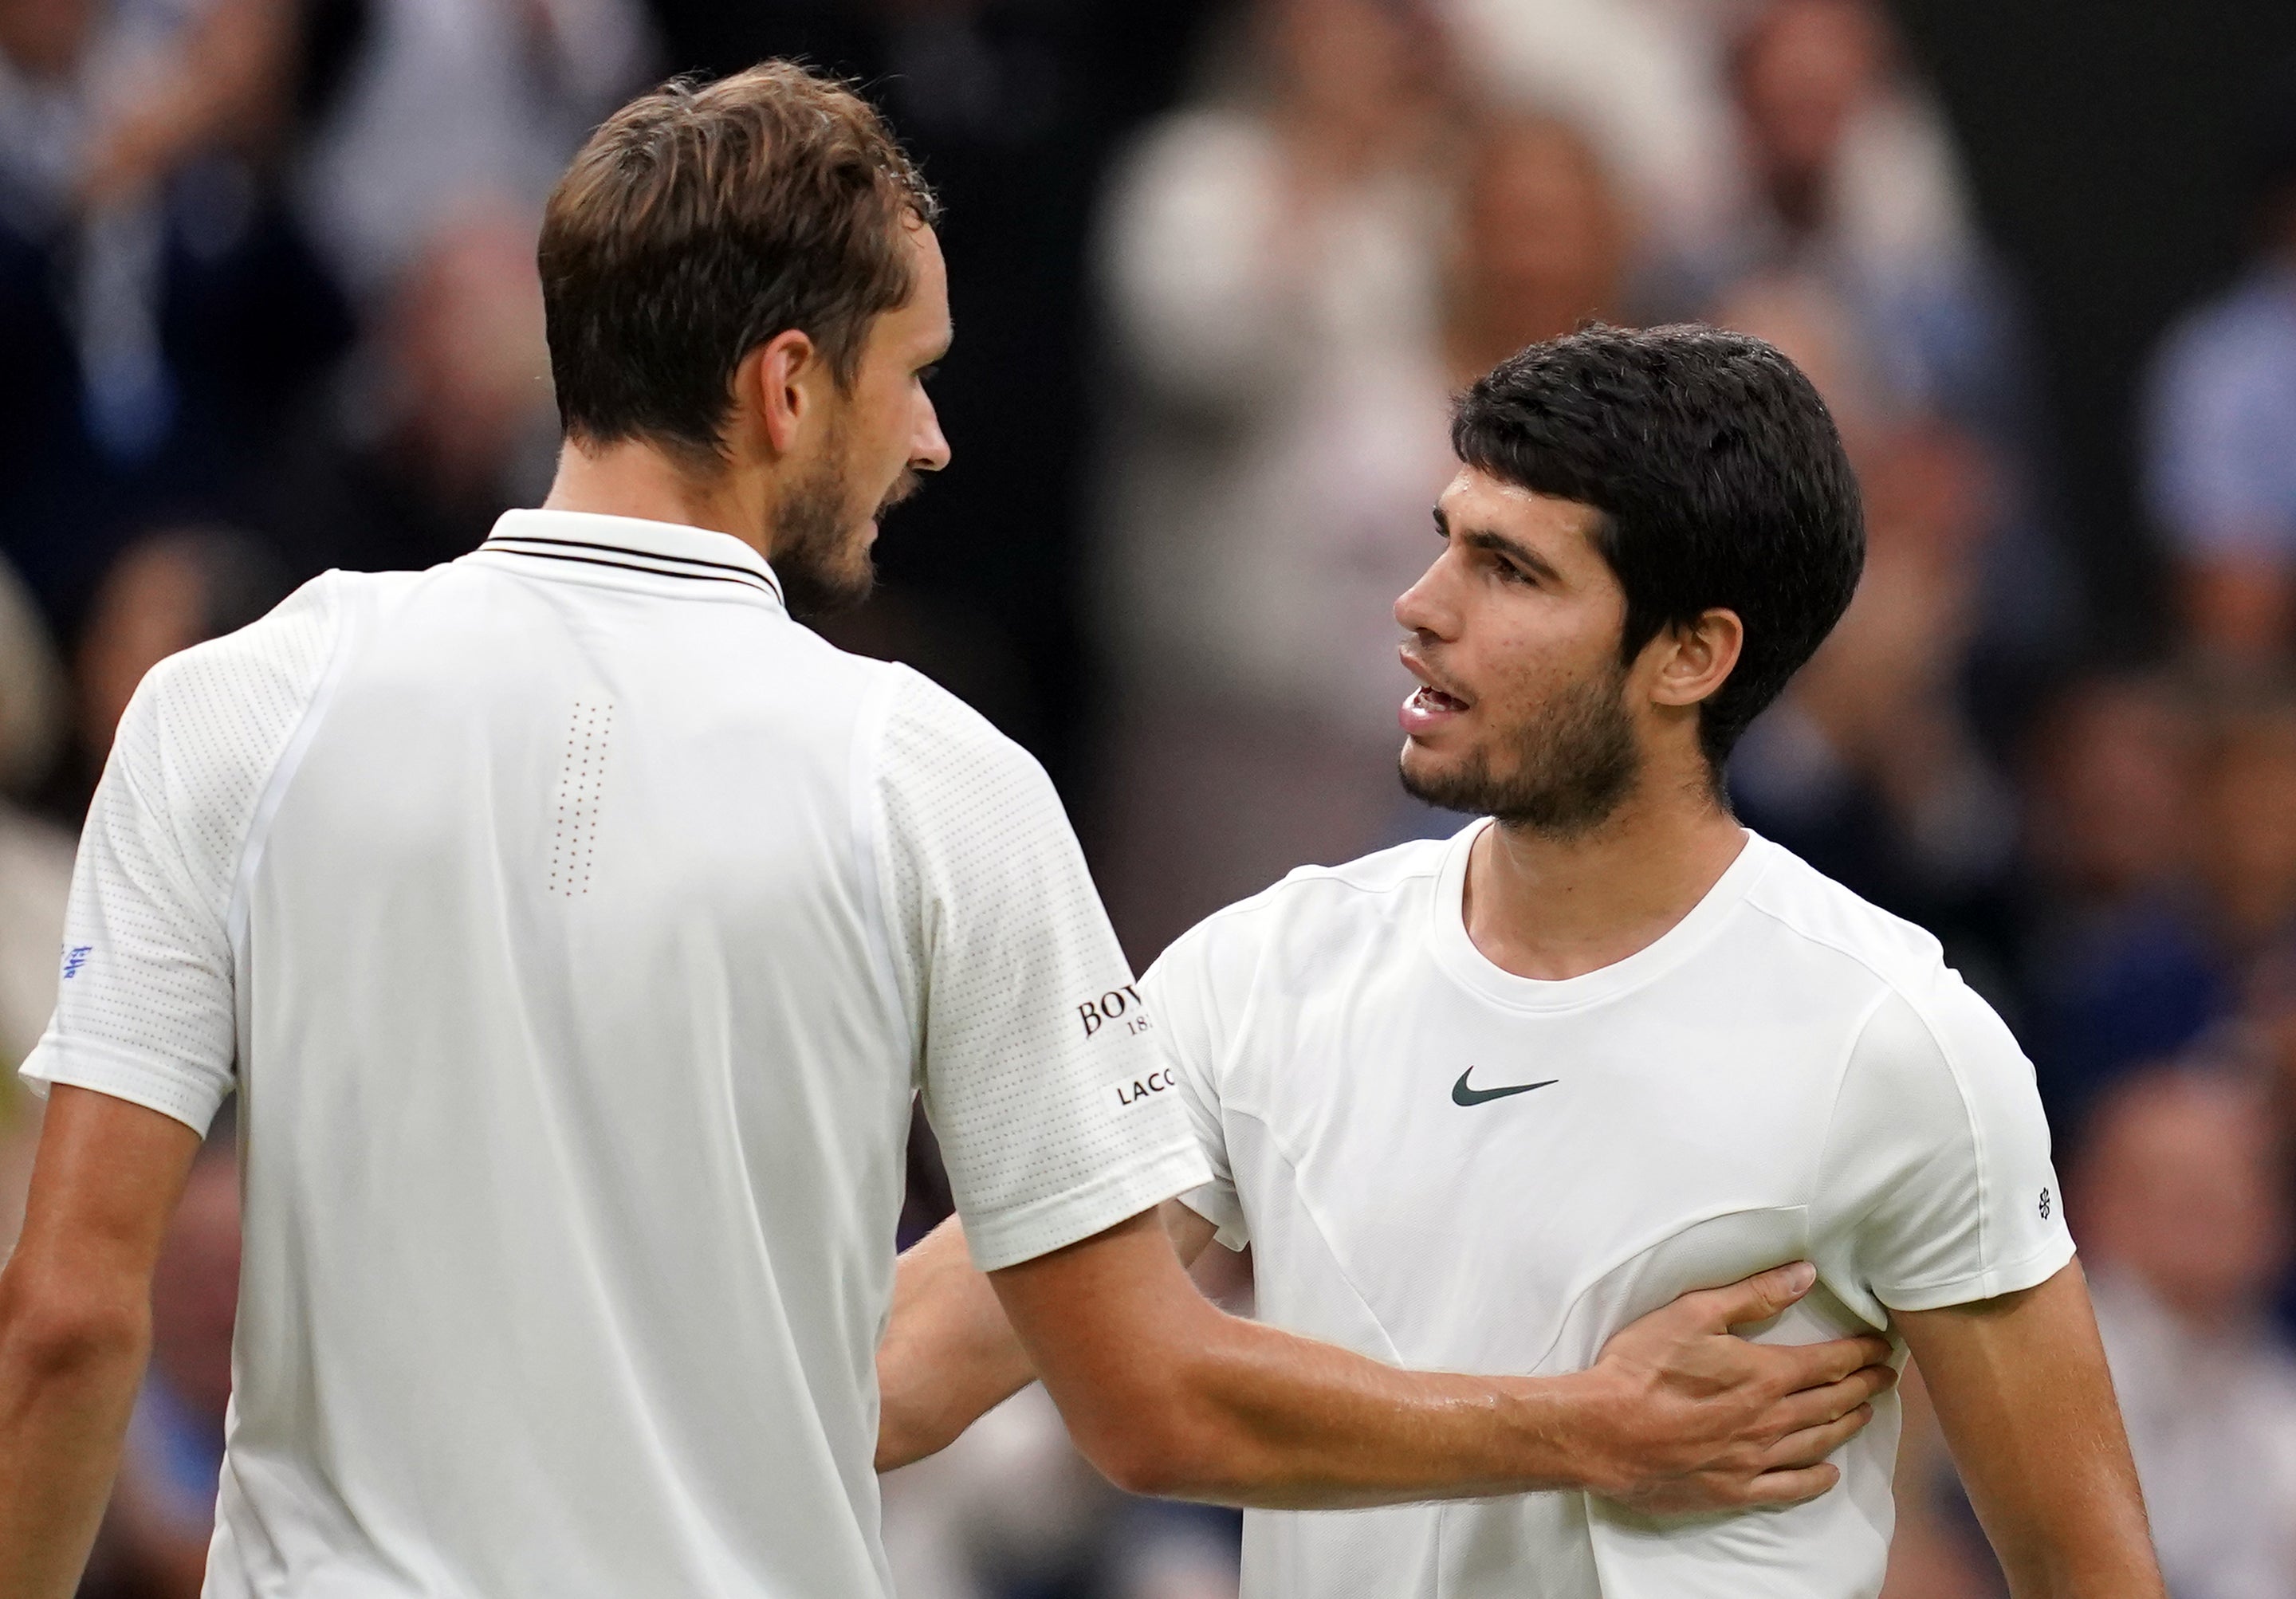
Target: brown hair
701,221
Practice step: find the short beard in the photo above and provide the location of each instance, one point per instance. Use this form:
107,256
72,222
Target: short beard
825,565
1574,767
819,554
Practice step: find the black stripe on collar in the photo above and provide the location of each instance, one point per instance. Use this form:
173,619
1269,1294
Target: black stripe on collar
722,571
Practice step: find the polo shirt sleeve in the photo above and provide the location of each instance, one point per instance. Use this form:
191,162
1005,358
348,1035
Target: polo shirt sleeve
1184,995
1936,1186
146,997
1039,1062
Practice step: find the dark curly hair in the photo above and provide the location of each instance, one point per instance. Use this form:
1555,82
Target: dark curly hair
1721,482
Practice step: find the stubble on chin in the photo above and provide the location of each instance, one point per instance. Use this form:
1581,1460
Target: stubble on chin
1572,768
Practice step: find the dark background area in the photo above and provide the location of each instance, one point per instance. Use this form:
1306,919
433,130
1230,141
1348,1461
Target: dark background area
2108,142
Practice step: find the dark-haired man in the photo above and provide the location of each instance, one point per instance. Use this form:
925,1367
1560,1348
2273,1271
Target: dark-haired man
575,928
1477,1103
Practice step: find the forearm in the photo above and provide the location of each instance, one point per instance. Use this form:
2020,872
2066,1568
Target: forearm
1258,1418
67,1384
949,1356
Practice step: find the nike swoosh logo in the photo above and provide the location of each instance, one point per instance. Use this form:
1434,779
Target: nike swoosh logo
1461,1095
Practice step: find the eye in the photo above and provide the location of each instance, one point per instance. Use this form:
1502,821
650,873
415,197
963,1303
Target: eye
926,375
1509,573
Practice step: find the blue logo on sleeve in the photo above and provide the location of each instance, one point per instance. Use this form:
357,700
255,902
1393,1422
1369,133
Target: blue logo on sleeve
75,958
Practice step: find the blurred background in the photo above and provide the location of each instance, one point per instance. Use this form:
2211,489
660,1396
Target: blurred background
267,305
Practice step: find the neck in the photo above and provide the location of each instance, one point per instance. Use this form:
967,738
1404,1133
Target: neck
629,478
1544,906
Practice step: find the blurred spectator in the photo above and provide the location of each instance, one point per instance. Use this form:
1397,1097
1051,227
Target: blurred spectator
154,1542
2180,1203
1870,766
423,106
1852,208
1849,174
36,861
440,422
156,306
167,592
1641,78
1273,282
2221,466
2207,916
2120,961
1543,242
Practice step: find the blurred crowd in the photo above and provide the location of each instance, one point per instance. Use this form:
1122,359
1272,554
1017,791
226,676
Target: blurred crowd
267,305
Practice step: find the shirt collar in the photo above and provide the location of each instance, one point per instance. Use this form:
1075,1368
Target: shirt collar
628,544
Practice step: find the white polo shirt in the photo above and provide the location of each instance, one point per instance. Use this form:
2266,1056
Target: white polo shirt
1444,1166
575,928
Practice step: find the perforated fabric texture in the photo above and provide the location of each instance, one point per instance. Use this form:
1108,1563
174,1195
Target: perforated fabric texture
146,1001
1040,1067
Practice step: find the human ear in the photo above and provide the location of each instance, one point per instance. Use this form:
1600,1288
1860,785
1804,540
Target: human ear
1697,658
774,393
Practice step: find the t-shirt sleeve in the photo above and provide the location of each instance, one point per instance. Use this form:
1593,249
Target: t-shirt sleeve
145,1003
1184,996
1935,1187
1039,1060
146,1000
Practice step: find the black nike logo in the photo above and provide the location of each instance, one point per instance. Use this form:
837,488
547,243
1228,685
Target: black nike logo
1461,1095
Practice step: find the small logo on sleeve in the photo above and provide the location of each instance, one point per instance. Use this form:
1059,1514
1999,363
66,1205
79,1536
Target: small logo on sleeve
76,958
1140,1089
2048,1204
1118,1006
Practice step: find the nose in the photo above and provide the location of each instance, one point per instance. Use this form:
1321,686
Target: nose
1423,610
929,451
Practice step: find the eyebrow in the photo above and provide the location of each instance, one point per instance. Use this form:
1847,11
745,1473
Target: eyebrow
1499,543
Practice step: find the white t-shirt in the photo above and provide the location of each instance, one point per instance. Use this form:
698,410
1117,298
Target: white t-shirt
1441,1165
575,928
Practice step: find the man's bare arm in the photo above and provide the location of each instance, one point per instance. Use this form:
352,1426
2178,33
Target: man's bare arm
2022,1391
1168,1395
76,1326
949,1356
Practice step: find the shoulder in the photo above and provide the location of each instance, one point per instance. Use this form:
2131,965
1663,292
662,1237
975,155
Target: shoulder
286,649
1918,1008
1299,923
1827,917
234,701
930,741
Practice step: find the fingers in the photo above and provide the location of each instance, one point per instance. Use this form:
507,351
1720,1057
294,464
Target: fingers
1817,1364
1795,1486
1813,1406
1812,1445
1755,1299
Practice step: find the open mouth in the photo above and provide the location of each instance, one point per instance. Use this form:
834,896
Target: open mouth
1429,709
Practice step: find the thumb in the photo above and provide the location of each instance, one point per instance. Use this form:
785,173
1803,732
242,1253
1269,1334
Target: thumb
1757,1297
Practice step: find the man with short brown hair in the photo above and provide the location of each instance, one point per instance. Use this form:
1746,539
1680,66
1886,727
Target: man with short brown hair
577,928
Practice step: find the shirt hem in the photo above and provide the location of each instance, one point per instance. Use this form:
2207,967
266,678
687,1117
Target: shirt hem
122,1074
2029,1272
1007,1238
1221,1209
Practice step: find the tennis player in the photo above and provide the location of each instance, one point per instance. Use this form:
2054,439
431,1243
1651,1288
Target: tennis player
576,929
1476,1103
